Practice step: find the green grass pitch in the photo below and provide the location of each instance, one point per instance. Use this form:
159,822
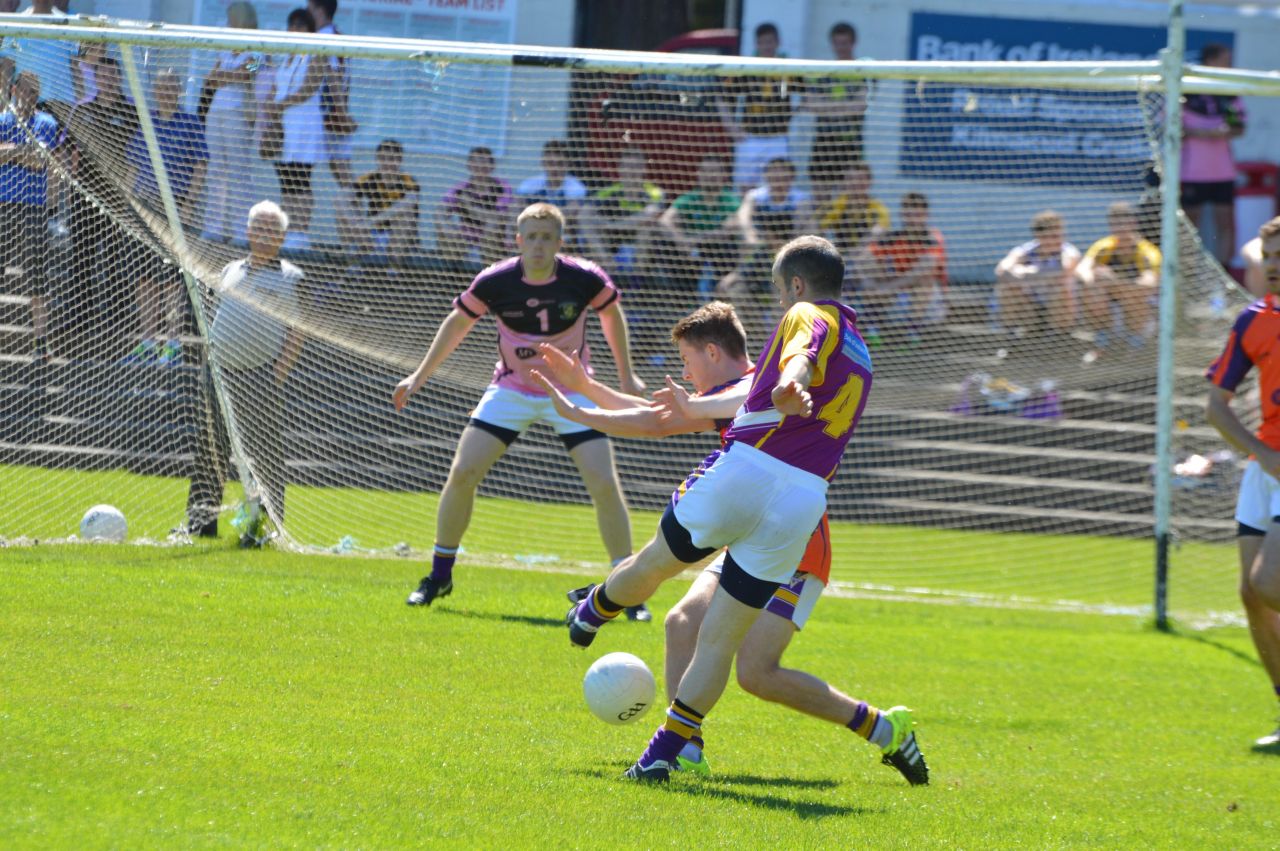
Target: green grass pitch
210,697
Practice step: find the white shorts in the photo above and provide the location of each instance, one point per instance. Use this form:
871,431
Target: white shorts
764,510
793,601
1259,499
752,154
515,411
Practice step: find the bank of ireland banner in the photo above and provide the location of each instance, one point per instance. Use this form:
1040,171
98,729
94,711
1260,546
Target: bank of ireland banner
1045,136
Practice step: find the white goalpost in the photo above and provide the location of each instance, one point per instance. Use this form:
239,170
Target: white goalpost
143,362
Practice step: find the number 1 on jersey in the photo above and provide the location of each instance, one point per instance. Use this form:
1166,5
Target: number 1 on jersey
544,319
839,412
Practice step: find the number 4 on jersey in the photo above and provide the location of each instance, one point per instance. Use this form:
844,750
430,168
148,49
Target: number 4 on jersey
838,414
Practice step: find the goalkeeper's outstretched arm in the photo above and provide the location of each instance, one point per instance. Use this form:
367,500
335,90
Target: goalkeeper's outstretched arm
452,331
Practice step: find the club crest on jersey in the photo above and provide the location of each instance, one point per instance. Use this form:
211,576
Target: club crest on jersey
569,311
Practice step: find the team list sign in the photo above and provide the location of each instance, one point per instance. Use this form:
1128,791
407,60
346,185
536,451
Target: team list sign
1020,134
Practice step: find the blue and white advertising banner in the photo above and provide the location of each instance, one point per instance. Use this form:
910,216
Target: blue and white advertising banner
1046,136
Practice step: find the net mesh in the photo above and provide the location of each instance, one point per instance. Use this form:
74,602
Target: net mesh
1018,401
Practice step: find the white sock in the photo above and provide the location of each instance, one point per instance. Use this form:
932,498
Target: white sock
882,734
691,752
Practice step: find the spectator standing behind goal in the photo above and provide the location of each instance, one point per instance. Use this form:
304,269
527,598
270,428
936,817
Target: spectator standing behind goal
1035,282
228,125
537,297
52,61
254,347
184,155
1208,170
902,275
381,218
100,130
838,106
295,104
339,128
471,221
1120,273
756,113
1253,342
702,224
24,198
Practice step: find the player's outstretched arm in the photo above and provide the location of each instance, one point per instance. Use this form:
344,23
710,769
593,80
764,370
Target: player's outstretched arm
1222,416
676,402
452,331
791,394
614,325
568,370
642,421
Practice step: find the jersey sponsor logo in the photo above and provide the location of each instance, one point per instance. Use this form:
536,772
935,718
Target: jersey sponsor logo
533,302
524,352
512,314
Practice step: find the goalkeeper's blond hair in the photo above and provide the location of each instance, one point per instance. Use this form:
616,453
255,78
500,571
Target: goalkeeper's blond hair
541,212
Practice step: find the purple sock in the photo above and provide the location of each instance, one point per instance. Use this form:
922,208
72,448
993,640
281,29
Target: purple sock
597,609
442,564
1277,691
665,745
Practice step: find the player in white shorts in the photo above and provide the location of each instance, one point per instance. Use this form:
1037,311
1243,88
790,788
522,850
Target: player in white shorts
537,297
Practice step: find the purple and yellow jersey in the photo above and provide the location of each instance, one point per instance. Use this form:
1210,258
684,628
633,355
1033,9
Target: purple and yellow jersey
825,333
1255,341
528,314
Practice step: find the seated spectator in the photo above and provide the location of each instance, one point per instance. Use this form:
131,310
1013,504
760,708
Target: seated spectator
184,155
852,215
769,217
1120,277
1035,282
556,186
23,197
902,275
381,219
622,219
702,226
471,221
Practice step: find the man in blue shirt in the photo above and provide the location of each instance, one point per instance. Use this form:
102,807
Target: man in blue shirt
185,157
27,138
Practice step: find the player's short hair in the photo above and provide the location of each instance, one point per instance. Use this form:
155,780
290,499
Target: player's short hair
541,212
391,146
1046,221
813,260
556,146
915,201
715,322
843,28
481,151
1270,229
1213,50
330,6
301,16
269,208
768,28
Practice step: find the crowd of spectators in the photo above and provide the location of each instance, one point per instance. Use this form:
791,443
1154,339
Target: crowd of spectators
716,236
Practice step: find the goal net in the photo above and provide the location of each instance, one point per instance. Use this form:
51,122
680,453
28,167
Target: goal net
1007,451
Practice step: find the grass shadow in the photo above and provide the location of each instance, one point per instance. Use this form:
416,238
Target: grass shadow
528,620
754,780
701,789
1266,750
1247,658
